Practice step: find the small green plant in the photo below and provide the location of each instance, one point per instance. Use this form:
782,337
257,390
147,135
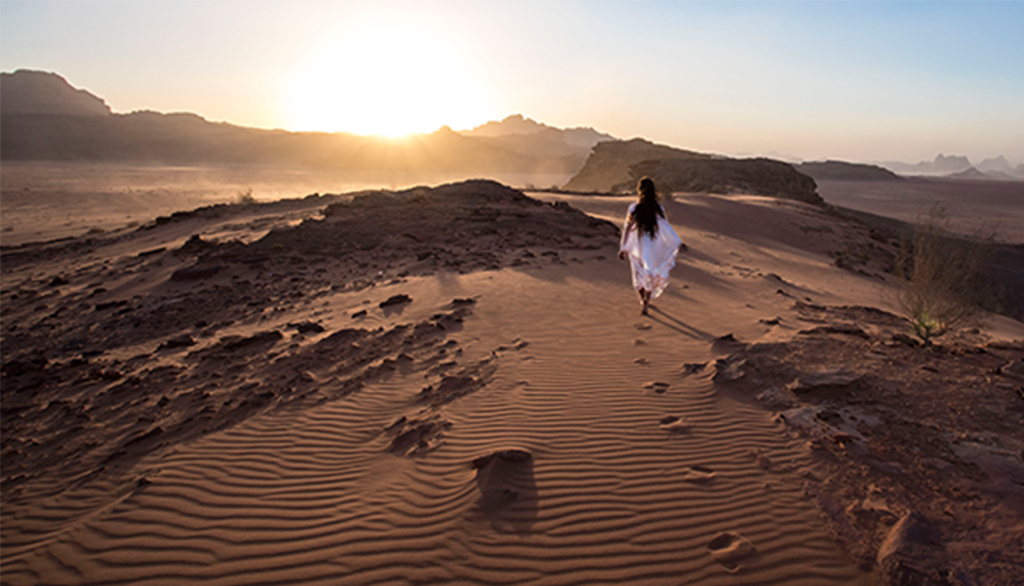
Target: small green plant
944,279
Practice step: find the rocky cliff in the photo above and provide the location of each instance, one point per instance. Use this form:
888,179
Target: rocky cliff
616,167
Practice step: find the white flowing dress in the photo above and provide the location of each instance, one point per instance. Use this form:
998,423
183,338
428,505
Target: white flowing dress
651,258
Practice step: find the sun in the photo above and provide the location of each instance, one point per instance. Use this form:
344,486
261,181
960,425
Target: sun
386,82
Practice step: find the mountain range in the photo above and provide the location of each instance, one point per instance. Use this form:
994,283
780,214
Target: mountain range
44,117
960,167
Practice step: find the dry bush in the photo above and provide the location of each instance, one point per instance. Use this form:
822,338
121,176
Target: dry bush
944,278
245,197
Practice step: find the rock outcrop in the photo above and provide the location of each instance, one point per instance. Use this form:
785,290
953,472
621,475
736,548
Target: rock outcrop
615,167
608,167
747,176
841,170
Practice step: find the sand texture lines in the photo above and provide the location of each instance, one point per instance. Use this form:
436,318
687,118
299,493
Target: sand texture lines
544,453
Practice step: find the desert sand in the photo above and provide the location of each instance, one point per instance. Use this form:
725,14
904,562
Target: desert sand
971,206
455,386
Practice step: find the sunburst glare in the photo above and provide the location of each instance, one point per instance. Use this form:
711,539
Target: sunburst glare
385,82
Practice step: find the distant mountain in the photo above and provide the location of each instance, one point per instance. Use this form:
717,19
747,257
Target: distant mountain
528,137
44,118
517,124
616,167
998,165
942,165
38,92
841,170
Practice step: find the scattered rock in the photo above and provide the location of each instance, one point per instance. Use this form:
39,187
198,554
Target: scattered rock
777,398
693,367
912,554
234,343
729,369
151,252
307,327
195,272
835,377
416,436
395,300
849,330
195,245
110,305
183,341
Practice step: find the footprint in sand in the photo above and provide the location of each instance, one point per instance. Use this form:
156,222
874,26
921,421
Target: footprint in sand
698,474
728,548
508,491
657,386
675,424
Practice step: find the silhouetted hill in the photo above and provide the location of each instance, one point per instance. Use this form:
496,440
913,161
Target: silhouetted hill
616,167
39,92
841,170
45,118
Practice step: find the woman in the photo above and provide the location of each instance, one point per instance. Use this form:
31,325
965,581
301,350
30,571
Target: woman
650,242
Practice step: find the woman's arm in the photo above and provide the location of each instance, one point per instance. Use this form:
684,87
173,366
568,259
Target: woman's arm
630,224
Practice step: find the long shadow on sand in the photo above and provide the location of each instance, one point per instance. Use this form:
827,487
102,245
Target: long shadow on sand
672,323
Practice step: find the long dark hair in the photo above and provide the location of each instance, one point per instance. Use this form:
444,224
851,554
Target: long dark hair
647,210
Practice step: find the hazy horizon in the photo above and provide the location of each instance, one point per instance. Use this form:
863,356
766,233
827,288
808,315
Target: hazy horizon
851,81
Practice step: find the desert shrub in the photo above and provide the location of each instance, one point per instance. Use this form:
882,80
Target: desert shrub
944,280
245,197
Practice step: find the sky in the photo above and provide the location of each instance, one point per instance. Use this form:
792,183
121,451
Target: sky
856,81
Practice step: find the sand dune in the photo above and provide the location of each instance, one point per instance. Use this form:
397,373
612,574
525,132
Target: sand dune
422,420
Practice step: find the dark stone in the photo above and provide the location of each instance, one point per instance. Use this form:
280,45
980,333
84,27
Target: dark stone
152,251
259,339
183,341
195,272
396,300
912,554
307,327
